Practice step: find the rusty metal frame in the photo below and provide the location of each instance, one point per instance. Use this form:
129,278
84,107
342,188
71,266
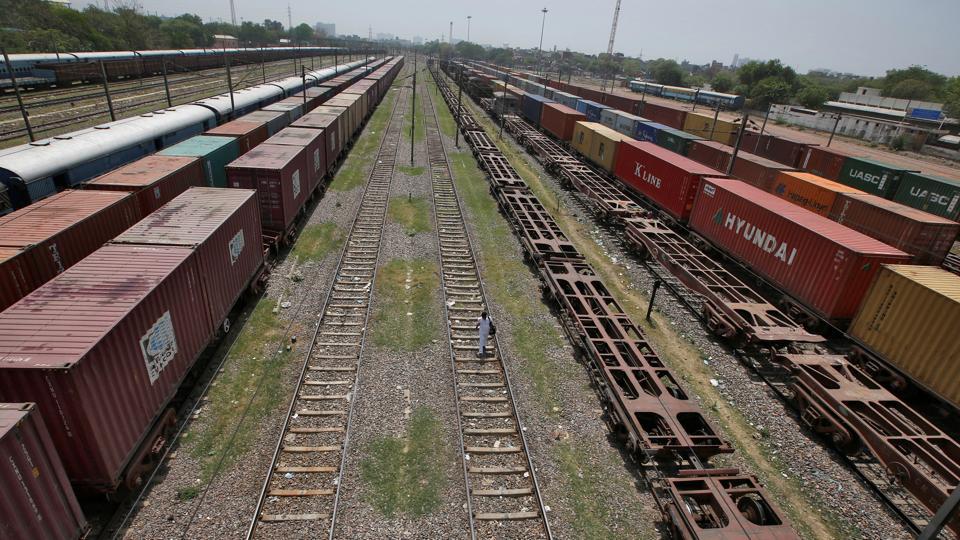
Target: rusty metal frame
721,504
646,397
501,172
838,399
480,143
539,233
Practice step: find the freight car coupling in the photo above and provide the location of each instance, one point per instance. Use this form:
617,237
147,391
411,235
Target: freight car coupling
911,464
663,429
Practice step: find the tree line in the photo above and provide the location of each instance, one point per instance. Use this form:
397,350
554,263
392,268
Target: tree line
40,26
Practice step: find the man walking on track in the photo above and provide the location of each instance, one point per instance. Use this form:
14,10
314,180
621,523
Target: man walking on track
484,324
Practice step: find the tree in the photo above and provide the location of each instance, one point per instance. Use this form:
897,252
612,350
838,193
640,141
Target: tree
897,83
667,72
911,89
722,82
302,33
812,96
951,99
770,90
465,49
253,33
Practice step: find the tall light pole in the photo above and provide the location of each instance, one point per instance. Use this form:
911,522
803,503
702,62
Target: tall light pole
468,26
540,48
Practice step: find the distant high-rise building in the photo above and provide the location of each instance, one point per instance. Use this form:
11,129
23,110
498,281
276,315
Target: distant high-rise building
327,29
736,58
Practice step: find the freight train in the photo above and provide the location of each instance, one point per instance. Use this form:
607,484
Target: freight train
691,95
659,422
838,398
37,70
150,259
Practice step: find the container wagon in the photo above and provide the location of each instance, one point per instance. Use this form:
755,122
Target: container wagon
279,176
153,180
215,152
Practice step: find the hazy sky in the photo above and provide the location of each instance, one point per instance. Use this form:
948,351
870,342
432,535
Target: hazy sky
861,36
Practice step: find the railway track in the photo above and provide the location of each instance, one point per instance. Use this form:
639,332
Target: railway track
503,495
300,495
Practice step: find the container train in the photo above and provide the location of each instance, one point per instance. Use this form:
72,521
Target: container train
824,388
171,280
37,70
691,95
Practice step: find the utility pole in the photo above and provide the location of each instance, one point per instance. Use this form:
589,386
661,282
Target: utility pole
736,147
16,89
289,17
106,91
413,108
226,62
834,130
762,127
303,75
468,26
456,141
713,126
263,68
451,32
166,85
540,47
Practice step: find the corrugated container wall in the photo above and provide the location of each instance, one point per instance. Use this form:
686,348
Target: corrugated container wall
824,265
215,152
823,161
531,107
275,120
662,114
675,140
559,120
582,140
312,141
247,133
52,235
933,194
145,321
604,146
223,227
809,191
279,175
909,318
926,237
38,502
332,132
154,180
871,176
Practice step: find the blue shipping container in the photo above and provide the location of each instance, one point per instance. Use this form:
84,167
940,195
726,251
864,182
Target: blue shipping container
647,131
531,107
591,109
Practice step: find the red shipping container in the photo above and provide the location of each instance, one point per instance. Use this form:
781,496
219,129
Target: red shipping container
825,162
667,178
782,150
223,226
57,232
279,174
559,120
155,180
662,114
928,238
333,133
713,154
758,171
102,350
311,140
16,278
822,264
623,103
247,133
38,502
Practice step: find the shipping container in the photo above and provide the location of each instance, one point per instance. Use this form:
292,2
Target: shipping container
602,140
669,180
628,124
312,141
531,107
223,227
926,237
786,151
567,99
144,322
675,140
154,180
215,152
909,318
591,109
38,502
279,174
823,161
755,170
662,114
247,133
809,191
871,176
624,104
334,134
582,140
559,120
275,120
647,131
713,154
934,194
52,235
293,107
825,266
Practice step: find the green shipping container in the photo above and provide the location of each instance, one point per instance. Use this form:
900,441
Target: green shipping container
934,194
216,153
675,140
874,177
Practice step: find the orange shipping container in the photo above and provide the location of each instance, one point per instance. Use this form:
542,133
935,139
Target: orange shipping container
909,318
809,191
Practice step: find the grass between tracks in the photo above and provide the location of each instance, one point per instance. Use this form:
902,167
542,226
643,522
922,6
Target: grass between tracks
354,171
405,474
411,212
811,515
411,171
228,397
405,318
317,241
